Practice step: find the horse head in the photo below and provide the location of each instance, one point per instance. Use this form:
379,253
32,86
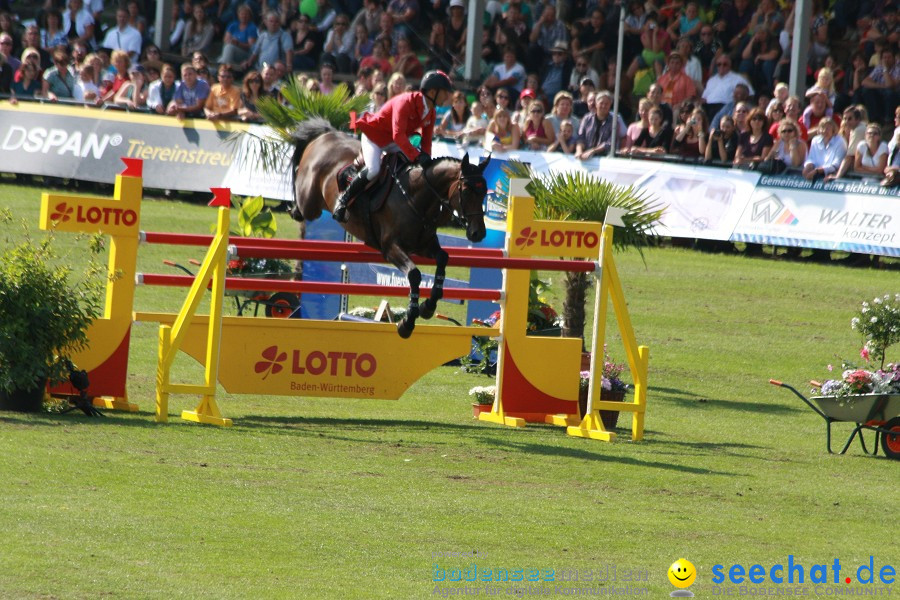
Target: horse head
472,190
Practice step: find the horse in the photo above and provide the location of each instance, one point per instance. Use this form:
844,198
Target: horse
422,199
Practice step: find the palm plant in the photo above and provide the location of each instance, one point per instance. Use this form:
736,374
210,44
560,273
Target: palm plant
271,147
579,196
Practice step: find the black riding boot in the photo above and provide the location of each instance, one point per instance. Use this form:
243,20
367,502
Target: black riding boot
346,198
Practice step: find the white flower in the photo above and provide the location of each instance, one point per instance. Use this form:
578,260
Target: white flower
877,300
854,322
873,320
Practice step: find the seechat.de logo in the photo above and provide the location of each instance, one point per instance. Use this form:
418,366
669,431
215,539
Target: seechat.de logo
63,213
317,362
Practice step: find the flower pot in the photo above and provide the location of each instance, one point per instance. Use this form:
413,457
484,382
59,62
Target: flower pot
477,409
609,417
585,361
24,400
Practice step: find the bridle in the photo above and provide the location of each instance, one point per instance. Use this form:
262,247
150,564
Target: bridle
462,183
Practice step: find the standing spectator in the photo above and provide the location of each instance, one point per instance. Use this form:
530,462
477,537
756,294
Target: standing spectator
454,120
502,134
110,86
547,32
562,111
586,95
826,151
251,92
239,38
755,143
509,74
789,150
565,139
198,34
26,83
557,72
881,89
892,171
134,92
137,20
853,127
643,122
338,49
59,81
52,33
793,110
123,36
676,85
162,92
597,129
273,44
78,23
741,117
224,100
655,95
869,159
488,104
723,142
656,137
406,62
396,85
190,97
527,96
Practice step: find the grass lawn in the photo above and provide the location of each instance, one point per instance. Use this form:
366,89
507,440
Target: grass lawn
318,498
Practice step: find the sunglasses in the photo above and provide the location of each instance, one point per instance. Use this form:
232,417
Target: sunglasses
537,111
721,64
757,118
788,130
503,96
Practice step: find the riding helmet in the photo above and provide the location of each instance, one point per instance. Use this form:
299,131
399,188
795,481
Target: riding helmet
436,80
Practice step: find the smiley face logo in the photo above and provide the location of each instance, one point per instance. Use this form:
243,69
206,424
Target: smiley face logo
682,573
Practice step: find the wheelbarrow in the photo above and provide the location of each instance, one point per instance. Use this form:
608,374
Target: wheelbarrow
280,305
874,412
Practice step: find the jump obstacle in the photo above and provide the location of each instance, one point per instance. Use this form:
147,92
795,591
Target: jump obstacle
537,378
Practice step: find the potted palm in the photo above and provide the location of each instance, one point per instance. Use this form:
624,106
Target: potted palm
45,309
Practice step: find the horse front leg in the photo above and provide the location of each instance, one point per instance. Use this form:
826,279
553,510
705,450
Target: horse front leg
402,261
437,291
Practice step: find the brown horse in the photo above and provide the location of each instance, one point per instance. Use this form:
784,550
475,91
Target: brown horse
422,199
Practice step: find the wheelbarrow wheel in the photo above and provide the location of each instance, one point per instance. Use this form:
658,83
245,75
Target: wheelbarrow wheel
890,442
281,305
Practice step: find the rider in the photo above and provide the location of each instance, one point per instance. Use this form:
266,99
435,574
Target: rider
390,128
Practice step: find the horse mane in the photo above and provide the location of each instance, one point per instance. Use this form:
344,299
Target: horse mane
305,132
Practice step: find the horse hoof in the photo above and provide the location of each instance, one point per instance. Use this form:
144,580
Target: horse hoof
405,330
426,311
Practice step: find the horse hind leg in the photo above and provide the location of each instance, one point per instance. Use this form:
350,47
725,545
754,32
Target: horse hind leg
437,291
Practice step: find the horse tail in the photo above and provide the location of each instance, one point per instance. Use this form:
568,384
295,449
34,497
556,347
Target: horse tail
305,132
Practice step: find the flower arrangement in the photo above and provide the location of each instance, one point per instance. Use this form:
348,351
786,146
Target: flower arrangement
855,380
879,323
483,394
611,380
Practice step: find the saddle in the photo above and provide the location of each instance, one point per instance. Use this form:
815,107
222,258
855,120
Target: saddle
379,188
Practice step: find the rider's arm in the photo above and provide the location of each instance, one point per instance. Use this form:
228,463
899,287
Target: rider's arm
399,120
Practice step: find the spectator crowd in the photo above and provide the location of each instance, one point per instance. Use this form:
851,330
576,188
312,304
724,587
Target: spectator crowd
702,80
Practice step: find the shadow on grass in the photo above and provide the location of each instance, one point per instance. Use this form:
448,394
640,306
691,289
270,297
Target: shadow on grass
756,407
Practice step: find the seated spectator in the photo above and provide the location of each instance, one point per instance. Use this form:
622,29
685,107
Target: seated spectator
759,58
880,91
59,80
596,133
775,113
689,140
273,44
369,15
339,42
198,34
52,34
789,150
378,60
853,127
86,89
502,134
562,111
656,45
565,139
537,131
548,31
677,86
654,95
509,74
779,96
755,143
454,121
892,171
687,25
741,117
584,104
406,62
591,45
224,100
817,110
825,85
134,92
582,70
162,92
717,84
324,18
870,158
32,41
455,27
396,85
405,16
123,36
655,138
826,151
555,73
362,45
793,110
477,123
78,23
110,86
439,55
525,99
723,142
708,49
251,92
27,84
190,97
6,52
691,63
137,20
239,38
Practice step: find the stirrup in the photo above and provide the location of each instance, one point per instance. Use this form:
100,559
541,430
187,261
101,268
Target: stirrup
340,212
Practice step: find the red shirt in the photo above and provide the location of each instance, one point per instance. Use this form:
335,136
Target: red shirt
397,119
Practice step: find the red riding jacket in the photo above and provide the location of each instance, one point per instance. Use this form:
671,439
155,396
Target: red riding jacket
400,117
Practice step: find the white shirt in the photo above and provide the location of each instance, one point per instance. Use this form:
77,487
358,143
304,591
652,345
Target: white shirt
82,20
826,157
517,71
83,88
128,39
154,97
720,88
867,159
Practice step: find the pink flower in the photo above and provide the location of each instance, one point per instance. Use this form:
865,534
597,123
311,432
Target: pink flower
864,353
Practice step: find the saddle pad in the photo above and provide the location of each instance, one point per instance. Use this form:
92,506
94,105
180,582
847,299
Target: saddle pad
377,192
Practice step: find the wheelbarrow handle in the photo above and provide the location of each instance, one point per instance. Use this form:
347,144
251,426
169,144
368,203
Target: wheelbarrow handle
776,382
799,395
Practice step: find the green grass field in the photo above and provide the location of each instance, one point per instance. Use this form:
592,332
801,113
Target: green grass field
318,498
